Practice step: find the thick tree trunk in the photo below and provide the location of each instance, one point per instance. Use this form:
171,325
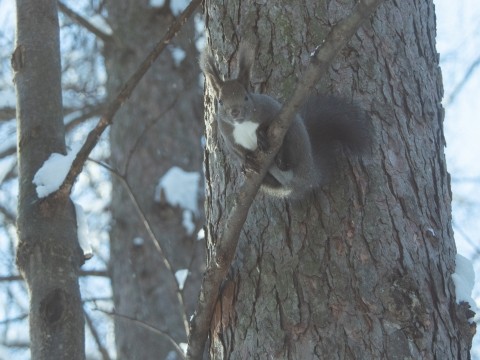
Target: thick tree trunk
48,253
159,127
360,270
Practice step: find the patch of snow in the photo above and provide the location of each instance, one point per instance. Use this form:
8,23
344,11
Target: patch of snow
464,280
53,172
184,347
181,276
201,234
179,188
82,232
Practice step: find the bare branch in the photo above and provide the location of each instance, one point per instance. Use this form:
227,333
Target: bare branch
15,319
86,114
458,88
7,113
16,344
155,241
9,216
11,278
150,328
228,240
96,337
143,133
124,94
80,20
102,273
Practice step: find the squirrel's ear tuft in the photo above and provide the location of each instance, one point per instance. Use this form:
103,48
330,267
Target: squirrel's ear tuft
207,64
246,57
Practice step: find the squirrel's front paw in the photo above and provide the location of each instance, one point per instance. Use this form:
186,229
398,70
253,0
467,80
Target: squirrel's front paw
262,139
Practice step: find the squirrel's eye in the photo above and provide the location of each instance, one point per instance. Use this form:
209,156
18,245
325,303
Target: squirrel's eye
246,98
220,102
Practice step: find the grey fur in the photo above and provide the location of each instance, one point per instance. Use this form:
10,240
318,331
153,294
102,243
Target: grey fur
299,167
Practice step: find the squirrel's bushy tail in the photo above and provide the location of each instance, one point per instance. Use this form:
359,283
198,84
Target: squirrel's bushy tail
330,120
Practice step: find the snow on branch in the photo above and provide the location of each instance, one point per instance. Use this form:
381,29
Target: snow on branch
53,172
218,267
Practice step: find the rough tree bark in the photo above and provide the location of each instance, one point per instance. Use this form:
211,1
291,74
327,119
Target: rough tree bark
160,126
48,254
360,270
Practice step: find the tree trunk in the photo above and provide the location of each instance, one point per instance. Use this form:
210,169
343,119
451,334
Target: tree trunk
48,254
360,270
158,127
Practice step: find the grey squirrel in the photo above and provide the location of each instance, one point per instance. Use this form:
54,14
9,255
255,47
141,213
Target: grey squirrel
304,160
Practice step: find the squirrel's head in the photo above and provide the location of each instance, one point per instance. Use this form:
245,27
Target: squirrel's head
235,103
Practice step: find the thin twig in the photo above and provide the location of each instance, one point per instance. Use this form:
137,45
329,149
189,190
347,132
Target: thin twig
107,117
8,215
155,241
7,113
461,84
96,337
101,273
142,134
80,20
150,328
86,114
228,239
15,319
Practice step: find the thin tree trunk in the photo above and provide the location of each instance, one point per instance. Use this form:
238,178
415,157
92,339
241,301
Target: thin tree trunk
48,254
159,127
360,270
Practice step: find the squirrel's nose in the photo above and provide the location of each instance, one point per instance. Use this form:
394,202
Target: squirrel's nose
235,112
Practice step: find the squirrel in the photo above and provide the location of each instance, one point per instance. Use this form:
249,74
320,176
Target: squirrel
304,160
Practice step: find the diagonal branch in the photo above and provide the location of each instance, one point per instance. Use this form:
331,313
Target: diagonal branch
80,20
228,240
459,87
149,327
7,113
107,117
96,336
153,238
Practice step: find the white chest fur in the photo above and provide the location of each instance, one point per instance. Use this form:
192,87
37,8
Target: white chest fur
245,134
